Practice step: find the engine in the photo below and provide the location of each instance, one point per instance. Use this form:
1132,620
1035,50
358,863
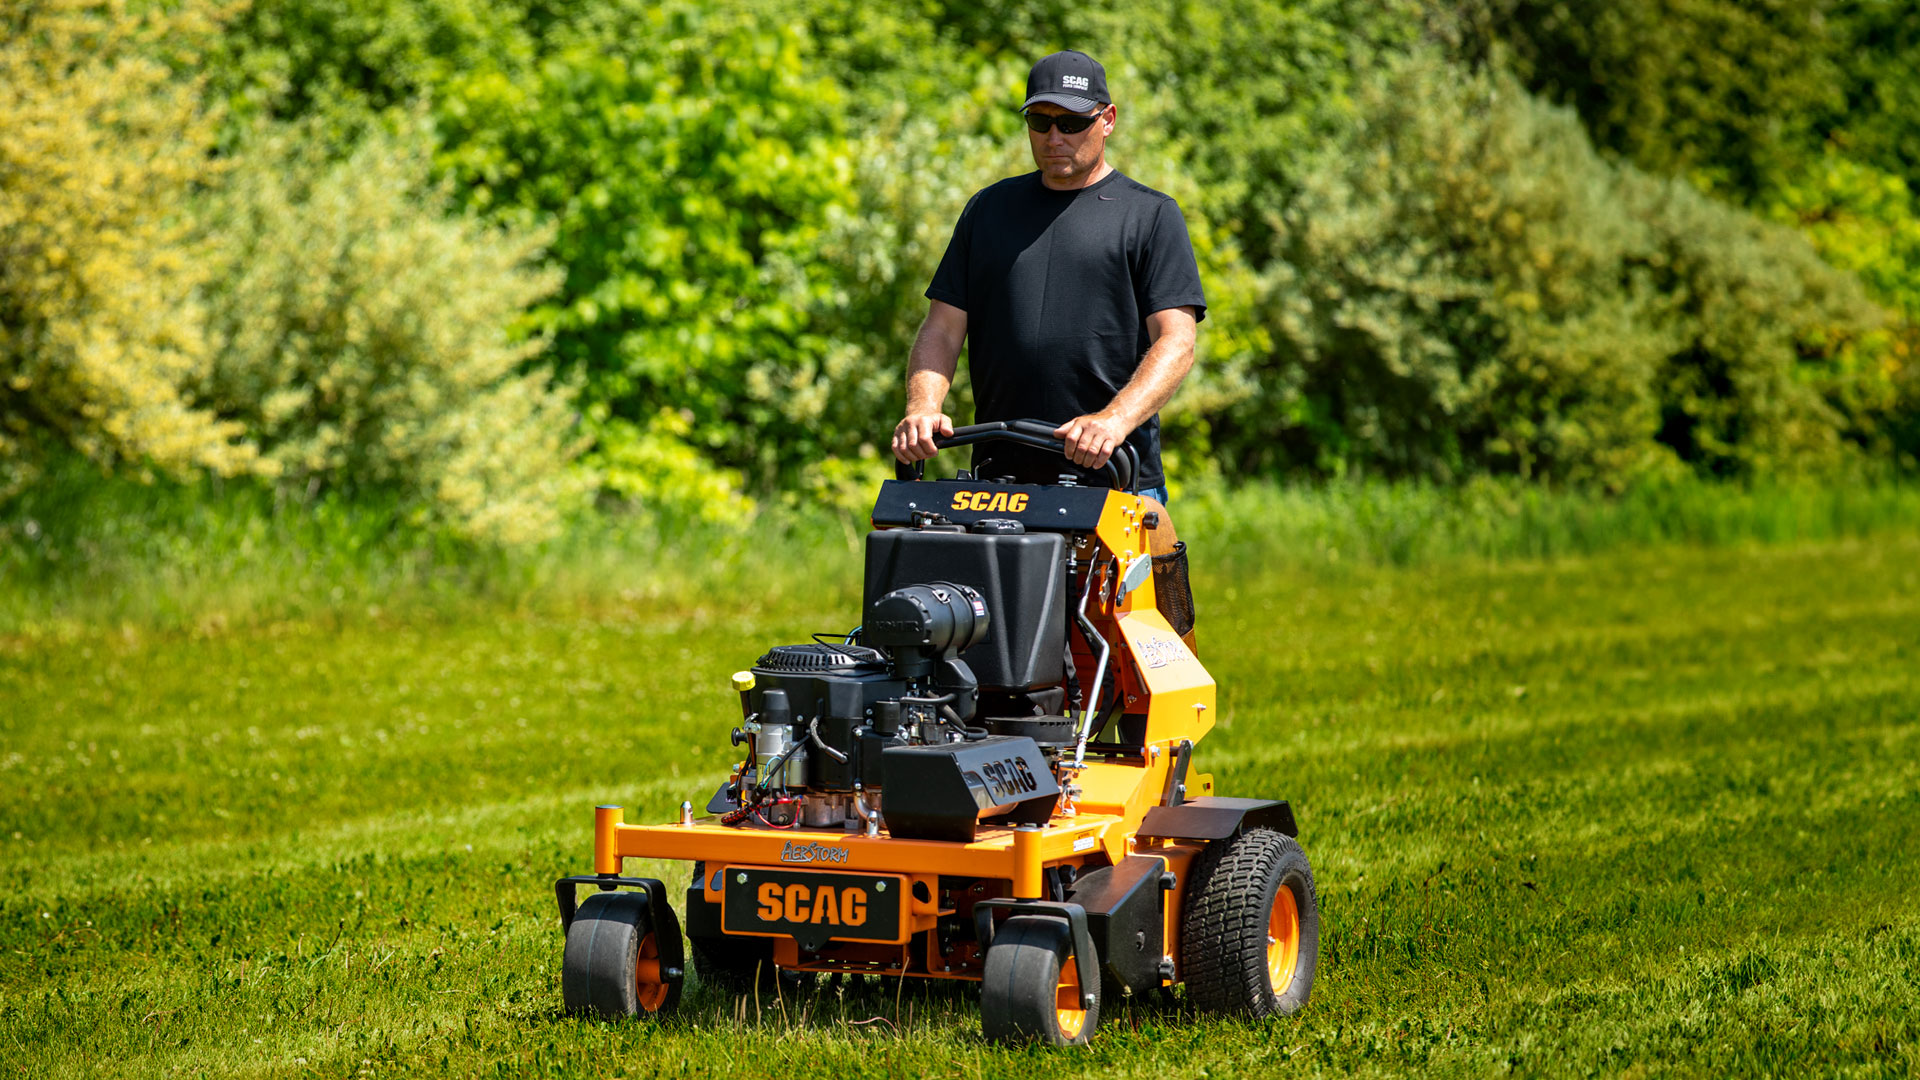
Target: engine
845,735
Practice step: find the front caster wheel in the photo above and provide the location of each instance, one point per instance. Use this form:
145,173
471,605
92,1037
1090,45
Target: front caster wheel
617,963
1250,938
1031,986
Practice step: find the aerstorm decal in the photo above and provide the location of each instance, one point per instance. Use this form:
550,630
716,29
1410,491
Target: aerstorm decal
807,853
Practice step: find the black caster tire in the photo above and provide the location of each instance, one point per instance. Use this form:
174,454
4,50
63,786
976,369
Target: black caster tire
1250,937
613,966
1031,986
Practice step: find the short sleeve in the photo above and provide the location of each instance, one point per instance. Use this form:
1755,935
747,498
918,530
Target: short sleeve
1169,274
950,279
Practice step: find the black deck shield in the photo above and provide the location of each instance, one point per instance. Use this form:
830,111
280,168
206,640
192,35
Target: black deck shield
942,792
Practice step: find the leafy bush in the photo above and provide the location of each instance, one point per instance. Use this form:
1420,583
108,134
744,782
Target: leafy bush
1247,90
1880,62
362,337
1412,273
100,143
1732,93
1465,286
1729,91
1865,220
346,60
689,163
653,469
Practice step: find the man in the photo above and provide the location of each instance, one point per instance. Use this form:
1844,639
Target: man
1078,289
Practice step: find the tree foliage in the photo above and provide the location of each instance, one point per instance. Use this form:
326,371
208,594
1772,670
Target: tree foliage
689,177
1804,112
360,333
1734,93
1686,86
1466,286
1867,222
101,143
315,257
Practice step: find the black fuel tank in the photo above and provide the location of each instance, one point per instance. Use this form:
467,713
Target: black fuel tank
1022,578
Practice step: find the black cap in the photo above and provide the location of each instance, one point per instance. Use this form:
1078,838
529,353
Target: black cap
1071,80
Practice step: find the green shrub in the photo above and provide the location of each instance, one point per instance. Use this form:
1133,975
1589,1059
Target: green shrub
1247,90
1864,220
1879,48
1779,362
100,143
346,60
362,334
689,163
1465,286
1728,91
747,198
1732,93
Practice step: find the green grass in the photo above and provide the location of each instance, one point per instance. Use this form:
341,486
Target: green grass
79,551
1648,812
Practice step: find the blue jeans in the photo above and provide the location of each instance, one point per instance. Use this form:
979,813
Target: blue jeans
1156,493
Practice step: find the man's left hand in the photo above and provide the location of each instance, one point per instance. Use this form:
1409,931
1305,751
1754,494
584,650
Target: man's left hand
1091,439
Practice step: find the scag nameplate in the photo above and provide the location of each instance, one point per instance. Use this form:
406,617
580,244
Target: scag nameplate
813,907
1057,509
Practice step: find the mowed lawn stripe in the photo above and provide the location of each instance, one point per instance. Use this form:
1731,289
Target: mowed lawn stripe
1649,812
180,739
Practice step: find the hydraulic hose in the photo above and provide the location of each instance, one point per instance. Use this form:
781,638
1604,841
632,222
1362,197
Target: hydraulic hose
813,736
968,733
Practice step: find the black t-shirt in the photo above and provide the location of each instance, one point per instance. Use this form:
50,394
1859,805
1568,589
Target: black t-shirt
1057,286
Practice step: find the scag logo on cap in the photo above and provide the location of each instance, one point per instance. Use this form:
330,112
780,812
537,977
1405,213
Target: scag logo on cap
1074,82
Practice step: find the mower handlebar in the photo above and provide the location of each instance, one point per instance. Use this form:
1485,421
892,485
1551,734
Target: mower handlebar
1036,433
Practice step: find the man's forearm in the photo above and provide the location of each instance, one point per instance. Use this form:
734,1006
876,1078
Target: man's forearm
930,368
1153,383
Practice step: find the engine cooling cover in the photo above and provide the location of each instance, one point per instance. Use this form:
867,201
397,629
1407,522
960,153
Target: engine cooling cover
824,659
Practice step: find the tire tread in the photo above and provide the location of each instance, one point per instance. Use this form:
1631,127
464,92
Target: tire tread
1224,930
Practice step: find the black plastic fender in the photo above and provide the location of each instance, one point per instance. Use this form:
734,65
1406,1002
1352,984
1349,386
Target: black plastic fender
1214,817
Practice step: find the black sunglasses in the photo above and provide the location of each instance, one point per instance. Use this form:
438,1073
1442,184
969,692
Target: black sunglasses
1070,123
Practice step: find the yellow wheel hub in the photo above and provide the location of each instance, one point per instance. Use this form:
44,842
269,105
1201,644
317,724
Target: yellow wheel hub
1283,940
651,989
1066,1000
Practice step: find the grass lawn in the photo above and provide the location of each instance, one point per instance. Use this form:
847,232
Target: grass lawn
1654,812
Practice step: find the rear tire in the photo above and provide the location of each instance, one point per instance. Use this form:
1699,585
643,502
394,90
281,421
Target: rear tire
1031,986
1250,938
612,966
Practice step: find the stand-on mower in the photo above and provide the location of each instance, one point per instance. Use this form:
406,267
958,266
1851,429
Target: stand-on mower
989,779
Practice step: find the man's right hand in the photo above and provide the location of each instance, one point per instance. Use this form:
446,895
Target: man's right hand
913,437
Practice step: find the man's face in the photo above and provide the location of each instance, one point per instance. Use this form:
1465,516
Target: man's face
1067,160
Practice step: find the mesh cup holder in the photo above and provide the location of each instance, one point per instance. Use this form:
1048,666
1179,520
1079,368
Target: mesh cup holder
1172,593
